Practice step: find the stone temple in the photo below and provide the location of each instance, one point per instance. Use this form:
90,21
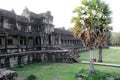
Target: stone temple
31,37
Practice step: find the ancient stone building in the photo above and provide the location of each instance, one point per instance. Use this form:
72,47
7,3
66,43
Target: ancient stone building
32,37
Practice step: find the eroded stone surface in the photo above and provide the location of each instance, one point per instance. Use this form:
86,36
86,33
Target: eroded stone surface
7,74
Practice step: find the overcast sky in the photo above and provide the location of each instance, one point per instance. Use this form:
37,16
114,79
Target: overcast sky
60,9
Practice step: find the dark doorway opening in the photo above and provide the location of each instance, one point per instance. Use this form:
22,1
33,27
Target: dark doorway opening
49,37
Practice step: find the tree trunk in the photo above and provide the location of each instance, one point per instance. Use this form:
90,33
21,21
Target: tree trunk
100,55
92,71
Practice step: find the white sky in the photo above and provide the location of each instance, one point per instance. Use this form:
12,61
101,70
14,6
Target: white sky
60,9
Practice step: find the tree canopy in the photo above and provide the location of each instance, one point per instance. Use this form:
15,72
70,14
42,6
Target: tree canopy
93,17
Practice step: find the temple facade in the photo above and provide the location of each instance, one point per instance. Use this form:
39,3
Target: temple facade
31,37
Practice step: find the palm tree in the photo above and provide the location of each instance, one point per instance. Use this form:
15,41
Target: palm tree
103,34
87,25
103,30
86,34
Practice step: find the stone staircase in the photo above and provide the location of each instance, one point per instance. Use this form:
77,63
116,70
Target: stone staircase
71,54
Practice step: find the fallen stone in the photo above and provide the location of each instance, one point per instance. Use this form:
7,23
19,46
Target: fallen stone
7,74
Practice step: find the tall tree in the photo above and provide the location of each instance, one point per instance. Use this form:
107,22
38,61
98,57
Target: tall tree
103,31
115,39
89,24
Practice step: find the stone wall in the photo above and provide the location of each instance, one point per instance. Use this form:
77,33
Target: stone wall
17,59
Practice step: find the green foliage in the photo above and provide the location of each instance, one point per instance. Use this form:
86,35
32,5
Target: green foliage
21,66
31,77
97,11
92,22
97,76
115,39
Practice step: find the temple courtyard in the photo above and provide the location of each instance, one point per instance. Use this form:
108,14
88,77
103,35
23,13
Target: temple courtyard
67,71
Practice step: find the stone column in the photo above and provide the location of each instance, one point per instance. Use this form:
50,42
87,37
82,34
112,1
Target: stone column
18,43
27,42
12,62
59,39
0,62
19,60
7,62
2,19
42,58
6,41
34,43
41,40
52,39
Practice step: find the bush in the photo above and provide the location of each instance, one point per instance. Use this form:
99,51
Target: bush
31,77
84,74
21,66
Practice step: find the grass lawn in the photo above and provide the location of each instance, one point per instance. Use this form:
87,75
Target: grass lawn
64,71
110,55
57,71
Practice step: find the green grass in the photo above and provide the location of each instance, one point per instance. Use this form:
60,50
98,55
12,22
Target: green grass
110,55
57,71
64,71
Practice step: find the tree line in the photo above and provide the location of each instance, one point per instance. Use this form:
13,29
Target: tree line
115,39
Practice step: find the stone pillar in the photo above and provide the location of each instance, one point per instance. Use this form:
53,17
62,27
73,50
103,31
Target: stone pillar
2,63
52,39
6,42
19,60
46,57
5,23
25,59
7,62
59,39
27,42
12,62
18,43
2,19
42,57
41,40
34,43
45,40
30,59
33,57
53,57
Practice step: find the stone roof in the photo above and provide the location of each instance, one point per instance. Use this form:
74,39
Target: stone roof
46,14
32,14
21,18
62,31
7,13
66,34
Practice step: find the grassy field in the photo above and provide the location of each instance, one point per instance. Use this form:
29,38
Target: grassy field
57,71
110,55
64,71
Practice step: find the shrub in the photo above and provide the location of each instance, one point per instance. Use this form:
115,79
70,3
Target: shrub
97,76
21,66
31,77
